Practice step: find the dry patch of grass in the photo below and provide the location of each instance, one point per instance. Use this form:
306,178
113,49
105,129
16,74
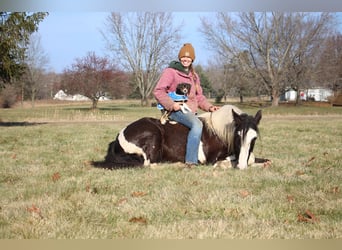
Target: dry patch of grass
48,189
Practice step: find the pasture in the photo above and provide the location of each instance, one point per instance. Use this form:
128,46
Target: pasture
50,191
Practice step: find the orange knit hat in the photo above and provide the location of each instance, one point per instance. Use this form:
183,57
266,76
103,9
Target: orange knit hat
187,51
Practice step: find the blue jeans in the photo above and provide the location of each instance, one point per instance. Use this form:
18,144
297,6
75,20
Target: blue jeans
191,121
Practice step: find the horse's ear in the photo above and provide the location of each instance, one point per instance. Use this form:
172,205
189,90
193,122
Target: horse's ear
258,116
236,117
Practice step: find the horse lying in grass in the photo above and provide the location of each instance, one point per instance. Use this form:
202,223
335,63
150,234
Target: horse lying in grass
228,133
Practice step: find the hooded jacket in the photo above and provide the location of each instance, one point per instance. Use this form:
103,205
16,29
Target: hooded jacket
168,81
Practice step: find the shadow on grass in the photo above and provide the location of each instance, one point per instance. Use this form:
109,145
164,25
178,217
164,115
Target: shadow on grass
20,124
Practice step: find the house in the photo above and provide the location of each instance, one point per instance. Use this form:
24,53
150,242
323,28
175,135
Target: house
312,94
290,95
318,94
61,95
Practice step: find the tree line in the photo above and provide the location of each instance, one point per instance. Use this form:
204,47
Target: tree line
257,53
272,51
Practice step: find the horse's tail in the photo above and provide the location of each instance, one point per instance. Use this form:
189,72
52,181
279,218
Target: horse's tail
116,158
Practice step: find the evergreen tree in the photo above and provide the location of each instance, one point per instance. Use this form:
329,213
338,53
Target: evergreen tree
208,90
15,31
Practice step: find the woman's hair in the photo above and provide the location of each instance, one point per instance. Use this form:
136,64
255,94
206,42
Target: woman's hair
193,72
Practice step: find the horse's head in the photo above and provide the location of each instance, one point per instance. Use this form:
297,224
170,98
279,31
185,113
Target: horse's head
245,135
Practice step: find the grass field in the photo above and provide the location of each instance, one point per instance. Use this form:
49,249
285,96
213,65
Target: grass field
49,190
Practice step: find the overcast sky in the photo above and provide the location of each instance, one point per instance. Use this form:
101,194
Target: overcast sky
67,35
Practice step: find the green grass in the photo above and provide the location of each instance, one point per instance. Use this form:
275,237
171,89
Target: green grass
49,191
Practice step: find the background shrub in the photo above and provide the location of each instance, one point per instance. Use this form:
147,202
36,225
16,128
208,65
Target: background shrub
8,96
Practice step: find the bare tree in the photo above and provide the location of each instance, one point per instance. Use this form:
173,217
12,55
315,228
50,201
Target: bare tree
311,34
142,43
36,61
51,80
329,66
92,76
276,44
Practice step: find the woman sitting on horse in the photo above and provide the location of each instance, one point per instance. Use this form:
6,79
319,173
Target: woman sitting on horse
182,71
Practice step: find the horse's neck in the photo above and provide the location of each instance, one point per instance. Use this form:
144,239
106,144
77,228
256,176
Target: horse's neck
222,122
222,130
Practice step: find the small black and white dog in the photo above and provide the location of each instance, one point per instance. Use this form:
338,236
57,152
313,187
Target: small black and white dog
180,96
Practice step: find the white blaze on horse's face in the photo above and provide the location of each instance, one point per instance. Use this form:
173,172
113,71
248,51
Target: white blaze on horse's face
245,147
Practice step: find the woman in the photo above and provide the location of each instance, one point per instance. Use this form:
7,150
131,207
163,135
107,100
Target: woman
182,71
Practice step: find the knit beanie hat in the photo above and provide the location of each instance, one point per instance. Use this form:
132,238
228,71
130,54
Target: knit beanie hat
187,51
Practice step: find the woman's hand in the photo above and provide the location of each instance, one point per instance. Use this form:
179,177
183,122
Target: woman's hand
176,106
213,108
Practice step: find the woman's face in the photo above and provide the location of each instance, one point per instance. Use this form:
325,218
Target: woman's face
186,61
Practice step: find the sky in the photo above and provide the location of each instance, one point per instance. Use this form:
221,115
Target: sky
66,36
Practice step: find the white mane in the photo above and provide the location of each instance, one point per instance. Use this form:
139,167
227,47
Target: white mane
221,122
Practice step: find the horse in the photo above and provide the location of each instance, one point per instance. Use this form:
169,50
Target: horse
228,133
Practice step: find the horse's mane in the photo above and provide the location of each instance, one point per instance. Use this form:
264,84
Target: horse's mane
221,123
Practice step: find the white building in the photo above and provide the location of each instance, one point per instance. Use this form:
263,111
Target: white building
317,94
290,95
61,95
313,94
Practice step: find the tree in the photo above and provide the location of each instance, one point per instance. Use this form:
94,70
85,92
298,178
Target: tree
92,76
215,74
15,30
36,61
302,71
329,66
205,83
274,44
142,43
240,80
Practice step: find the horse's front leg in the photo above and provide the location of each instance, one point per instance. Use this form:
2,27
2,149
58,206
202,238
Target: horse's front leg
229,162
257,162
251,159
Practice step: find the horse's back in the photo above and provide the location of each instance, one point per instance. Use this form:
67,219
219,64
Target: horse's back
145,133
142,126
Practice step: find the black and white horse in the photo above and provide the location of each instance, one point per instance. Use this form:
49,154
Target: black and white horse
227,133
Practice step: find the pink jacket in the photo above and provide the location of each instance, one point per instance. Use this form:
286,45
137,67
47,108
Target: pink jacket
168,82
